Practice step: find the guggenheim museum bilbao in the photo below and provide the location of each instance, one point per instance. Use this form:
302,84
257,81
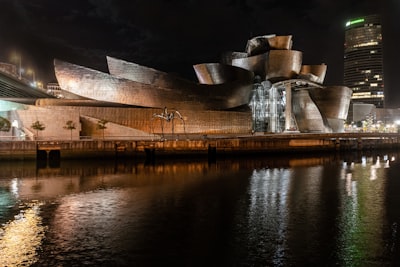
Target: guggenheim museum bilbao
263,89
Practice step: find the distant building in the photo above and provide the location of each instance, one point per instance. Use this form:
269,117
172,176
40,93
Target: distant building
54,89
363,60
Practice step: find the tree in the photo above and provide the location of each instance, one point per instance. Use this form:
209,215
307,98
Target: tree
101,124
38,126
70,125
5,125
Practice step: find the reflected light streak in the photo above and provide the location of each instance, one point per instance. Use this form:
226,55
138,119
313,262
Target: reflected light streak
364,161
343,174
387,164
268,197
21,238
349,183
14,187
378,163
373,175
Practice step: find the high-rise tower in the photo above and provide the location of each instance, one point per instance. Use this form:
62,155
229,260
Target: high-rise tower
363,60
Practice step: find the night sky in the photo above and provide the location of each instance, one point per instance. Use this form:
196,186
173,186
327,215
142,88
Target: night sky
172,35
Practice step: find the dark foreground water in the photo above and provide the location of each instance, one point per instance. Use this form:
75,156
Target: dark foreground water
308,211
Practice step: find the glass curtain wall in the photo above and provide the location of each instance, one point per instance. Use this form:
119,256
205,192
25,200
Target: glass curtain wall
268,107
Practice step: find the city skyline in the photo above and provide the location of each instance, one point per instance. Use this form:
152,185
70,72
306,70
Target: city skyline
172,36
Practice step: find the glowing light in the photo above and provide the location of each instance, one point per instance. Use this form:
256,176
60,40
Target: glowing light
32,72
21,238
14,186
354,21
15,124
363,161
373,175
349,177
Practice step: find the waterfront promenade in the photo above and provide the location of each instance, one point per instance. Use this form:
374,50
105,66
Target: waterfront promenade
210,146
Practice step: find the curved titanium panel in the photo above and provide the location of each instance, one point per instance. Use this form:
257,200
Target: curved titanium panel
215,73
281,42
317,72
283,64
258,45
265,43
308,116
135,72
256,64
333,101
227,57
104,87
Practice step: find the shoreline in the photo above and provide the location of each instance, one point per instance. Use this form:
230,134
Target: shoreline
210,146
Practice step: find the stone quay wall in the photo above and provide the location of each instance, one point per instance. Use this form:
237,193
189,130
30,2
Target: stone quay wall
209,146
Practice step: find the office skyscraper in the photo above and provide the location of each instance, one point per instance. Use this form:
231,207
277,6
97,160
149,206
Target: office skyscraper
363,60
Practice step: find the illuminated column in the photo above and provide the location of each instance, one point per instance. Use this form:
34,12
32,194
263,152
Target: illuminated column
273,109
288,106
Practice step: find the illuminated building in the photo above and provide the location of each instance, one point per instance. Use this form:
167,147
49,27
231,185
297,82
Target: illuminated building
363,60
266,88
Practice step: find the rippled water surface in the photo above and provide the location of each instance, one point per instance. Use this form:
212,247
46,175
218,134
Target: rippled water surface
329,210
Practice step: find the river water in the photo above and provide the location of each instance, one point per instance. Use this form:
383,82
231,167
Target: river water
314,210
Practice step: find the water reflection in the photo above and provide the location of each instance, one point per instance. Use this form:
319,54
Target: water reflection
362,211
21,238
273,211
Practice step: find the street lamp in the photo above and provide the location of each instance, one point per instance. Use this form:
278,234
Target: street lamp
39,84
31,71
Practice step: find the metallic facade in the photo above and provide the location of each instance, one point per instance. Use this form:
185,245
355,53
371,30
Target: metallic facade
262,44
269,56
363,60
308,116
149,88
333,103
268,76
283,64
288,95
264,88
315,73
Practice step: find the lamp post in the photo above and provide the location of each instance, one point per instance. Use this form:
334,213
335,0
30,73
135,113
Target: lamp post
31,71
20,68
17,58
39,84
